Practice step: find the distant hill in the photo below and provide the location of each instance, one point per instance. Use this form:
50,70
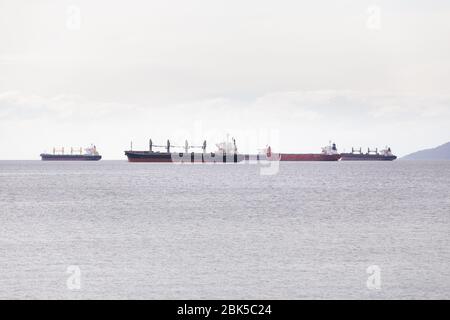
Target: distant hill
439,153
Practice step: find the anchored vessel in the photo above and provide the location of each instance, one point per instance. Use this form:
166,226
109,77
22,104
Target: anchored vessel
329,153
226,152
371,155
91,154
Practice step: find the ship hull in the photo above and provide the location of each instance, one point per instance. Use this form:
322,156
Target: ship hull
293,157
308,157
69,157
366,157
165,157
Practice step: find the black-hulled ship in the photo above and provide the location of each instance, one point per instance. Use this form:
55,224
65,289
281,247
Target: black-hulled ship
371,155
90,154
226,152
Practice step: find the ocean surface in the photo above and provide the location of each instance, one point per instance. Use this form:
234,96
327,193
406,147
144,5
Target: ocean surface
113,229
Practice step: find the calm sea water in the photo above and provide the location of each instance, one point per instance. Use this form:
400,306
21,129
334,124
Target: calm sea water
224,231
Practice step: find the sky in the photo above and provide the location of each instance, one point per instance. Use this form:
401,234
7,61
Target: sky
292,74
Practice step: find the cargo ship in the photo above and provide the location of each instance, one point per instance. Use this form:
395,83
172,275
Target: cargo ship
91,154
329,153
371,155
226,152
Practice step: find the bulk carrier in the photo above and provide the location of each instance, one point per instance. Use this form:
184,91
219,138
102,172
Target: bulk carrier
226,152
329,153
371,155
91,154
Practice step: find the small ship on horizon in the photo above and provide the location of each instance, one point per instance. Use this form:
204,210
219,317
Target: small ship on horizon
371,155
329,153
91,154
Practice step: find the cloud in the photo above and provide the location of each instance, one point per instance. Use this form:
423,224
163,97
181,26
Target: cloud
64,107
303,120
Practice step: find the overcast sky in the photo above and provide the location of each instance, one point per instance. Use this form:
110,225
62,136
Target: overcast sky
295,74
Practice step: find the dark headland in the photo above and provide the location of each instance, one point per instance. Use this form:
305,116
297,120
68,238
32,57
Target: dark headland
441,152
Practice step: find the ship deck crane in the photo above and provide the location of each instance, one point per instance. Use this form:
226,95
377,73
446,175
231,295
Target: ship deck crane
186,146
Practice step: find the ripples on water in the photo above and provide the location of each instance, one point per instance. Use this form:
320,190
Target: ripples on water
224,231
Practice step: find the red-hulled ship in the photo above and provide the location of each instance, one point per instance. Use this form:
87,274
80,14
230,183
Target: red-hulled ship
329,153
226,152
